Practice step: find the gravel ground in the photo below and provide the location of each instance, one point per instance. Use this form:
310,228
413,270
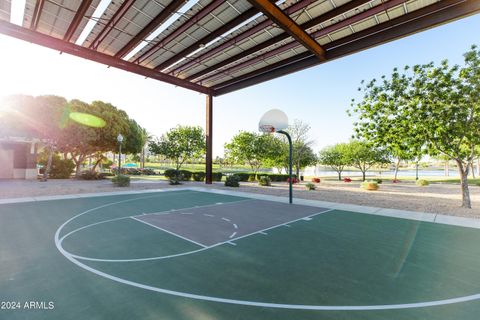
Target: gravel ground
436,198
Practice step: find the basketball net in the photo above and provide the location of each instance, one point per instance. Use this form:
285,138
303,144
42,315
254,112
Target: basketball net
267,128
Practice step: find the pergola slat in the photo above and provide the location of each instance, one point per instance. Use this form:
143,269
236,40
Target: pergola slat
415,21
245,53
150,27
184,27
37,11
111,23
332,28
247,33
209,37
77,19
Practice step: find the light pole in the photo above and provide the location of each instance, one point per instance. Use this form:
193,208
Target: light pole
120,140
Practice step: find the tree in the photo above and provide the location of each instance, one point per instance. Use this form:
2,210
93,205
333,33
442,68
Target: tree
303,156
251,148
336,157
81,142
436,105
363,156
180,144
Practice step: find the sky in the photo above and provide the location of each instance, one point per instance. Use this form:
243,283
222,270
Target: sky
319,96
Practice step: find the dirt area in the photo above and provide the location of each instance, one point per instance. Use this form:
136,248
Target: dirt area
435,198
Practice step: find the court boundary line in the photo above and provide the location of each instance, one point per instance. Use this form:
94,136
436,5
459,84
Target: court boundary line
246,302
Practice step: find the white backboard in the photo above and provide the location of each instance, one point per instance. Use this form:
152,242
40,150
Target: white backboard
273,120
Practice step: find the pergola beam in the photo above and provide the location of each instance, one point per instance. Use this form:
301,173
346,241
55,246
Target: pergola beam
77,19
150,27
37,12
117,16
18,32
288,25
316,21
181,29
209,140
244,35
413,22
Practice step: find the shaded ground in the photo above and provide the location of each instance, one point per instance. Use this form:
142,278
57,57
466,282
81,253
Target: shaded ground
436,198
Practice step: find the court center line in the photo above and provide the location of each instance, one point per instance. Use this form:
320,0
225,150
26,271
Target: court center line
233,235
169,232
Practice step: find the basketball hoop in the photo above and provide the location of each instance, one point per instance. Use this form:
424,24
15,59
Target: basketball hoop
273,121
277,121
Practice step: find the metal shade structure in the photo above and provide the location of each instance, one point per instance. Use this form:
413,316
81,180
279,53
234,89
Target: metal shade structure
216,47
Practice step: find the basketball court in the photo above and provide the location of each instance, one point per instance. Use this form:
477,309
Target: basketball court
190,254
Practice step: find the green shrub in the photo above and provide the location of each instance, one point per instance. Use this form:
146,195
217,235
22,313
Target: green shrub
265,181
217,176
92,175
251,178
121,180
61,168
176,179
310,186
280,177
369,185
243,176
422,182
199,176
148,171
187,175
170,173
379,181
232,181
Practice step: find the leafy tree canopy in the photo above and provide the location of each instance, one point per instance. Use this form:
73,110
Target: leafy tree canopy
180,144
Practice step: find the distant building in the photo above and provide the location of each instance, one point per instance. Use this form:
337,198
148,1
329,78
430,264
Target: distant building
18,158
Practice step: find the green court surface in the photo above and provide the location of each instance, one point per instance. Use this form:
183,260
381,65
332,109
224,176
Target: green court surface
198,255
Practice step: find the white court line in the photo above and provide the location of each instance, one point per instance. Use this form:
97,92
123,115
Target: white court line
185,253
235,226
197,207
286,225
169,232
233,235
186,213
245,302
208,215
225,219
231,243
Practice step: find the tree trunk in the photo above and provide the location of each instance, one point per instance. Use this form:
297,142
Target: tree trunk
466,203
96,163
364,175
49,163
143,158
416,170
473,170
397,166
78,165
339,175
